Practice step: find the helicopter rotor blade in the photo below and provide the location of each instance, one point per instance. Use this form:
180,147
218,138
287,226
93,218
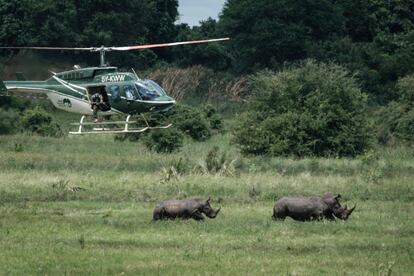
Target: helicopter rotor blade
108,49
149,46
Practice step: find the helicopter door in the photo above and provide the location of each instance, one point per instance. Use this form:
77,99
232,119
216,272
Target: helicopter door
99,97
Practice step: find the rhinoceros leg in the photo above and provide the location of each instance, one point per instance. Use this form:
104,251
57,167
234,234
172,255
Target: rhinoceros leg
329,217
197,215
277,215
157,215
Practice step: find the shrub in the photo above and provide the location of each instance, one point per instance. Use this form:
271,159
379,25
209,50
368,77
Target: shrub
396,121
165,140
314,109
38,121
184,118
216,163
212,116
190,121
9,121
209,110
405,90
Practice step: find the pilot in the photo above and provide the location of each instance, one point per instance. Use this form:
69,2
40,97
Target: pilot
96,101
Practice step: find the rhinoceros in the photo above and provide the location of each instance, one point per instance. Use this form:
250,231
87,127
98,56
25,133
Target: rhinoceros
187,208
311,208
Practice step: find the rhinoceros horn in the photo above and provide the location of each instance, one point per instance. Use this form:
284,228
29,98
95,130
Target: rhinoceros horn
214,213
208,200
350,210
217,211
347,212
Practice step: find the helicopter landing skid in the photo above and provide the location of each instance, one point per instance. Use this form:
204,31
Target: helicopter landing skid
99,127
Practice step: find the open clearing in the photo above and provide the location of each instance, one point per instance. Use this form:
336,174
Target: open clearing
48,225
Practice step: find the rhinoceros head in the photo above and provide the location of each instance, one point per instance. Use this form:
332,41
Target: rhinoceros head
332,201
335,206
208,210
344,212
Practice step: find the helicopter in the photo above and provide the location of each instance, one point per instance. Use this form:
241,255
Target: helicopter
101,90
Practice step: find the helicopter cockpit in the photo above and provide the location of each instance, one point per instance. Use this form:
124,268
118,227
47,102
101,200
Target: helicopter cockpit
149,90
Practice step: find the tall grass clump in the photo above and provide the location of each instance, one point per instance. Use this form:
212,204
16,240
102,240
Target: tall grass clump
216,162
200,83
315,109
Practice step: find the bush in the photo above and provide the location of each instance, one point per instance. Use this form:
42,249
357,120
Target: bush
405,90
165,140
190,121
38,121
9,121
396,121
184,118
212,116
315,109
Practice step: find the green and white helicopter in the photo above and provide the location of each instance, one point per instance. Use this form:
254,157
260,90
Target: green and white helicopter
122,93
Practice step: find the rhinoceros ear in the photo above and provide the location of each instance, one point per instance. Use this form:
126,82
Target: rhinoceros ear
208,200
338,197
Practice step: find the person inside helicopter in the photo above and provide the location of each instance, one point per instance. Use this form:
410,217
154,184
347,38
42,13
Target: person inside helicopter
98,100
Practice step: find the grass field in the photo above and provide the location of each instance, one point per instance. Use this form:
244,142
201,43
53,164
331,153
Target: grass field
49,226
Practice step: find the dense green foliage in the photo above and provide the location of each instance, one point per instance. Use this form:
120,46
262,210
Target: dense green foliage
213,117
396,120
190,121
164,141
9,121
77,23
185,120
266,33
374,39
314,109
38,121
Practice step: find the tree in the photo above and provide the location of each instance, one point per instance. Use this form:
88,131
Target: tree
314,109
267,33
76,23
212,55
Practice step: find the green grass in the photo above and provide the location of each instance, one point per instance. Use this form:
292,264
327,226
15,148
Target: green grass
47,228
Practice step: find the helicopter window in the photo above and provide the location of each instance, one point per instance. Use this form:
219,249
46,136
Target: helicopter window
148,91
130,92
156,87
115,95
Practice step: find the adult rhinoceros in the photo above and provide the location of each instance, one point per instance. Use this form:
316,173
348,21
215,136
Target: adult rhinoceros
311,208
187,208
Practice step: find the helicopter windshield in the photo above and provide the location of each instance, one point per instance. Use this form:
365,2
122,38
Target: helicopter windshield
149,90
